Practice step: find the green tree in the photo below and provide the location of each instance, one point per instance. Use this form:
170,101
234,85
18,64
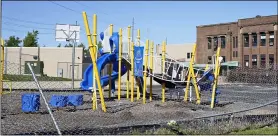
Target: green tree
69,45
31,40
99,45
12,42
59,45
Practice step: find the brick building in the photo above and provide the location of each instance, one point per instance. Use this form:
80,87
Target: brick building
251,41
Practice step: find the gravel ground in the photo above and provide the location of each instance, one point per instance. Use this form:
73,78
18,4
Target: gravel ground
124,113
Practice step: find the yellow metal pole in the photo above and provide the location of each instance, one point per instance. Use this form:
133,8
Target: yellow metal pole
207,67
145,71
120,62
94,60
151,71
2,66
216,74
192,75
94,53
189,74
128,74
163,67
110,65
132,72
138,44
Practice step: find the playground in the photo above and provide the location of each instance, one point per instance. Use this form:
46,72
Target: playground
126,114
103,105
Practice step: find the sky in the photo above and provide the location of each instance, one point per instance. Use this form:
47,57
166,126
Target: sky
176,20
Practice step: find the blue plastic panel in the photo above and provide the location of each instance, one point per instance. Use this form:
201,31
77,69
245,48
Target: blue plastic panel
30,102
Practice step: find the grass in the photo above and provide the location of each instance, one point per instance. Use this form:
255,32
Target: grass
30,78
258,131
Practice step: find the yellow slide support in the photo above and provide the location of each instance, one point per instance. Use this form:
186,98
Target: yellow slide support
191,75
163,68
216,75
138,43
2,67
132,72
145,71
10,86
110,65
92,52
120,62
128,73
151,71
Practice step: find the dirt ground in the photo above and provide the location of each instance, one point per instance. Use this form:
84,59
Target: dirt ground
125,113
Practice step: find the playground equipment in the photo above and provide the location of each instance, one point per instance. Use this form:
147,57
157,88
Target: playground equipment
174,74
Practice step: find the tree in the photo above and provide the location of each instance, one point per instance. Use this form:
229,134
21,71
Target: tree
99,45
12,42
59,45
31,40
69,45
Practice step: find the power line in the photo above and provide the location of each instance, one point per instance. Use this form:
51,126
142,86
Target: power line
88,6
65,7
12,30
26,21
18,25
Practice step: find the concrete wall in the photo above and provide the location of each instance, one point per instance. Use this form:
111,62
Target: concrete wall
55,59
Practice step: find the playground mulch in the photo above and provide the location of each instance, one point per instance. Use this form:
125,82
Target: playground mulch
125,113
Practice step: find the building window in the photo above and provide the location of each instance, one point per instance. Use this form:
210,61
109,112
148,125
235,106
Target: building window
271,60
254,39
209,43
246,40
263,39
224,59
235,54
254,60
215,43
188,55
271,38
246,60
223,41
236,42
209,59
262,60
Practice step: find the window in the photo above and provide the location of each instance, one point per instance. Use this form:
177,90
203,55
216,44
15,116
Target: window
235,54
263,39
254,39
223,41
246,40
246,60
215,40
236,42
262,60
224,59
271,60
271,38
188,55
209,43
209,59
254,60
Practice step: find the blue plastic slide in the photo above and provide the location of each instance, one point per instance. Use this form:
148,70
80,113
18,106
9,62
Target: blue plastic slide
86,84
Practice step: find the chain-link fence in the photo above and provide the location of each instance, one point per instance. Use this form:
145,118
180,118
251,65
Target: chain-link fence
241,105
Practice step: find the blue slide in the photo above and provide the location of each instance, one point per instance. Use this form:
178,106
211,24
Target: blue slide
86,84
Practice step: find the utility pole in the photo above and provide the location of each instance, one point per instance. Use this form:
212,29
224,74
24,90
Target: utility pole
132,38
73,58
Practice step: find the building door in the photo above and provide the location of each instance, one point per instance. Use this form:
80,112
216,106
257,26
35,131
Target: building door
76,72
